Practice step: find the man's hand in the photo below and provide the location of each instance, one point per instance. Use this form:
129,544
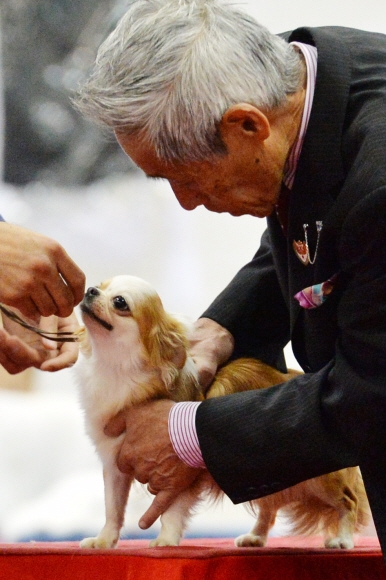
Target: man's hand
148,451
21,348
37,275
210,346
61,355
16,355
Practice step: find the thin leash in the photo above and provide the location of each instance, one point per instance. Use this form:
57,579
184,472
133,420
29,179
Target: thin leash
55,336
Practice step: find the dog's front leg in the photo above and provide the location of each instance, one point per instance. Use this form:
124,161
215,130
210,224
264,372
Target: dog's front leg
175,519
117,487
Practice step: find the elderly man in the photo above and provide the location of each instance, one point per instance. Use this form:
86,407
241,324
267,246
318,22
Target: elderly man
291,128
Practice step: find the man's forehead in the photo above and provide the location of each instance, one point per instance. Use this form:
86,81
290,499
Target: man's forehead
141,152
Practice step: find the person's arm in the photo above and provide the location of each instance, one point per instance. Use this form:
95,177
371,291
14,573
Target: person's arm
258,442
36,274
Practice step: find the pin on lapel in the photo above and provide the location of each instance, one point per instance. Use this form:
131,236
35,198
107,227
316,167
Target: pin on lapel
302,249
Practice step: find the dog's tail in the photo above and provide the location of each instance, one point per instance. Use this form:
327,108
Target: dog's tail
329,498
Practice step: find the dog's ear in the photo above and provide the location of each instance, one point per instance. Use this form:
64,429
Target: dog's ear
167,349
165,341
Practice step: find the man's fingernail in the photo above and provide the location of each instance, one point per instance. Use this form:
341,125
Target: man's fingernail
142,525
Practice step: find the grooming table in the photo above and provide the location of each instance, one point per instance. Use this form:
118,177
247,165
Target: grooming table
293,558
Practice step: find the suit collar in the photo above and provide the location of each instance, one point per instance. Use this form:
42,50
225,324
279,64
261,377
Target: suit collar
320,165
320,168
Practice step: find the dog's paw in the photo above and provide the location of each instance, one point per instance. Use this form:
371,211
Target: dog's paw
250,541
98,543
339,543
164,541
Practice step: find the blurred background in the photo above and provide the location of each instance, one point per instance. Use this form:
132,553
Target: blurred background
63,177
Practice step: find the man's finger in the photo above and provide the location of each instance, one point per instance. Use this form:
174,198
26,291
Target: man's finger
205,378
116,426
160,504
27,307
44,301
15,349
61,297
49,324
73,277
64,360
16,356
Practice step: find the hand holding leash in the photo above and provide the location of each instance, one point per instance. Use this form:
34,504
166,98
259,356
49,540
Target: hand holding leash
16,355
23,346
38,276
64,354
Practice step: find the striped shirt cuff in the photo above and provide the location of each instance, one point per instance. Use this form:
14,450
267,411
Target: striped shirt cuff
183,434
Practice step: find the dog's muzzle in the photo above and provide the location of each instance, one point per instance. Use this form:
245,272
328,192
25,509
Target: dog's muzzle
91,294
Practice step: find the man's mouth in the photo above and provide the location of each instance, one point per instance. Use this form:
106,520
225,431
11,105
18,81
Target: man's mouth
90,313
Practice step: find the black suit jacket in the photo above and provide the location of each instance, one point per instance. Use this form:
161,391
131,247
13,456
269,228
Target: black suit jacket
334,415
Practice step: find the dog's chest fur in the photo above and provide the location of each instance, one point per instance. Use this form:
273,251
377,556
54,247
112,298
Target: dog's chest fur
105,389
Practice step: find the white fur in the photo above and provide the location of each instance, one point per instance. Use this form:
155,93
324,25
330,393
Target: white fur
113,372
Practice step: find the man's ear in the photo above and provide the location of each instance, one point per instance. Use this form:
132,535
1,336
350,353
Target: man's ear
245,120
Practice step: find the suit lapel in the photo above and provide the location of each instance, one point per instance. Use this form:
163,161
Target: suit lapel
320,170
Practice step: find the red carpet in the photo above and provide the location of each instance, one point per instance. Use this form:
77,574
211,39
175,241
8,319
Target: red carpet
199,559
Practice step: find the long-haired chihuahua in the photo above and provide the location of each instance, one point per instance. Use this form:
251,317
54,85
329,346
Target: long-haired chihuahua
134,351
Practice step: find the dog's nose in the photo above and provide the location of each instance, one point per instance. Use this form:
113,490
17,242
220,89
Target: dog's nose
92,292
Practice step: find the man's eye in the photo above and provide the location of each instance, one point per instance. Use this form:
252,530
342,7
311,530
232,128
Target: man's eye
120,303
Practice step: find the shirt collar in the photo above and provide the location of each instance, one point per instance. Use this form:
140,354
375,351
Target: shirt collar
310,54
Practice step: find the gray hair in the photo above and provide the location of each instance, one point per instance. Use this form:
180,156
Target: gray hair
171,68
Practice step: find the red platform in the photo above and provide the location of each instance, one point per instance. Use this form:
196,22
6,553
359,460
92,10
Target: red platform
200,559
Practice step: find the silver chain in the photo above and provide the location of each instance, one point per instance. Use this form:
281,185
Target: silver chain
319,226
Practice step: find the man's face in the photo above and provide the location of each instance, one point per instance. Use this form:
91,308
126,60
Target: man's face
244,181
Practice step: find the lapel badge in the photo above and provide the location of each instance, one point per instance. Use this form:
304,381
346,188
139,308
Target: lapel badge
302,249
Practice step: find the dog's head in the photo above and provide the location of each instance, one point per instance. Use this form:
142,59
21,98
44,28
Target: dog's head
125,319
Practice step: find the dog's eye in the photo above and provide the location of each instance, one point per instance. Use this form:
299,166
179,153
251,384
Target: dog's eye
120,304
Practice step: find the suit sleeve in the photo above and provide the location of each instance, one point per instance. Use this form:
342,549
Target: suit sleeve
252,308
259,442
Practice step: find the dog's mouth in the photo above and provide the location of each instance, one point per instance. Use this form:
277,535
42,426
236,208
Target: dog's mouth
92,314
